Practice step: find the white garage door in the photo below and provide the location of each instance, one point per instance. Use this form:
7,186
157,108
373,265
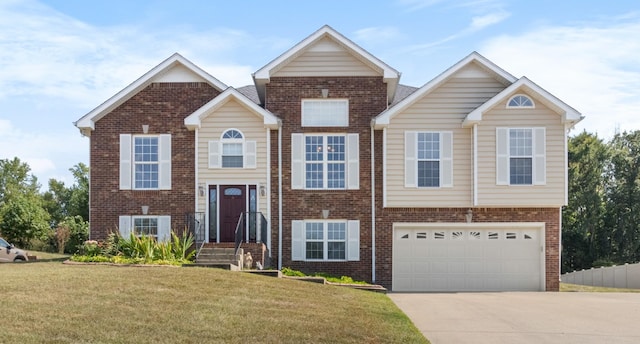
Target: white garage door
468,259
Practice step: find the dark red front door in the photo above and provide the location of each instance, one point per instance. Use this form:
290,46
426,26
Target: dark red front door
232,204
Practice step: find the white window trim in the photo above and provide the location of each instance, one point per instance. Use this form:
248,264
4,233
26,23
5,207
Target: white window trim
299,243
532,106
127,162
342,121
126,223
299,162
503,156
445,139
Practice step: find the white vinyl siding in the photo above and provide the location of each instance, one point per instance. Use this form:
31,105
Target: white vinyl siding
442,110
232,115
326,58
127,174
549,158
325,240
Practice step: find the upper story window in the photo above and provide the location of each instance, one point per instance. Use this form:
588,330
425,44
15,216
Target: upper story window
232,148
520,101
325,161
232,151
325,113
521,156
428,159
145,162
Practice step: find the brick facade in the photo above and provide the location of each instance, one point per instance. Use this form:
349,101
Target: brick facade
367,98
162,106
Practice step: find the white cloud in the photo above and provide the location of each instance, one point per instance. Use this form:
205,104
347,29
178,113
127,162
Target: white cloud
375,35
594,68
480,22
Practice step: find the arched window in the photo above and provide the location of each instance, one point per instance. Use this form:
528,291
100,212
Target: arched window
232,148
520,101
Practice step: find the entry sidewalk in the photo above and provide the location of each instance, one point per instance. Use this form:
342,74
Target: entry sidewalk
523,317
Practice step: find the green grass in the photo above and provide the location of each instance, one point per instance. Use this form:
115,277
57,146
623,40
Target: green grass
56,303
589,289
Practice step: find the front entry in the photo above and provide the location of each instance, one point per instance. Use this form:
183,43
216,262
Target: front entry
232,204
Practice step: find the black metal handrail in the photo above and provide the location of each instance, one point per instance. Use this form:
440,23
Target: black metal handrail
239,233
257,223
196,226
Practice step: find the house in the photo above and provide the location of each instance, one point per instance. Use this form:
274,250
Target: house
327,163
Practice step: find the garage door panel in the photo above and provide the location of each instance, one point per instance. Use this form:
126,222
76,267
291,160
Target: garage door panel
467,259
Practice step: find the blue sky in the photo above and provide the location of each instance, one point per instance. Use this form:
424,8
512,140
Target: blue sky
59,59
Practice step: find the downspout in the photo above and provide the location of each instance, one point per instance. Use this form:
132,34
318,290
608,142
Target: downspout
373,205
279,195
475,164
268,189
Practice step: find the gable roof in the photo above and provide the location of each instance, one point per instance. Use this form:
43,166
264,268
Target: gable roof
194,120
382,120
87,123
262,76
569,114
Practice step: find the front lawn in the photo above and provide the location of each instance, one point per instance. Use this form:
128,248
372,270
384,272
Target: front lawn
53,302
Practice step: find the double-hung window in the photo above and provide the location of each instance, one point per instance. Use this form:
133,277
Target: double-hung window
521,158
325,161
145,162
155,226
335,240
428,159
232,151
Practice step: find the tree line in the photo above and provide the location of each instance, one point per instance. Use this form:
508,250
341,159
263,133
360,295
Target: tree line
54,220
601,224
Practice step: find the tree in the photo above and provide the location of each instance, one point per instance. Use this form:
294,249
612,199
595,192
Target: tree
15,178
22,219
61,201
584,237
623,206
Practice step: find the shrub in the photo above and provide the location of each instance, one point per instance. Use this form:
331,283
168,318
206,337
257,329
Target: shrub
63,232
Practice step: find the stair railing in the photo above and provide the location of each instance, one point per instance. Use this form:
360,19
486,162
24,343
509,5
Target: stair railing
239,233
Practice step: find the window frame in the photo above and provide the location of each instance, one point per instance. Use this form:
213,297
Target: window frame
307,119
232,141
325,162
126,225
419,159
520,95
135,163
325,240
528,146
411,159
145,217
538,156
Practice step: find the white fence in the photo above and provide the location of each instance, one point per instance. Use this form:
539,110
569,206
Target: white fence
623,276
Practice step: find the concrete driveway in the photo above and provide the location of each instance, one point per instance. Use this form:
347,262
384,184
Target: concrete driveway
519,317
